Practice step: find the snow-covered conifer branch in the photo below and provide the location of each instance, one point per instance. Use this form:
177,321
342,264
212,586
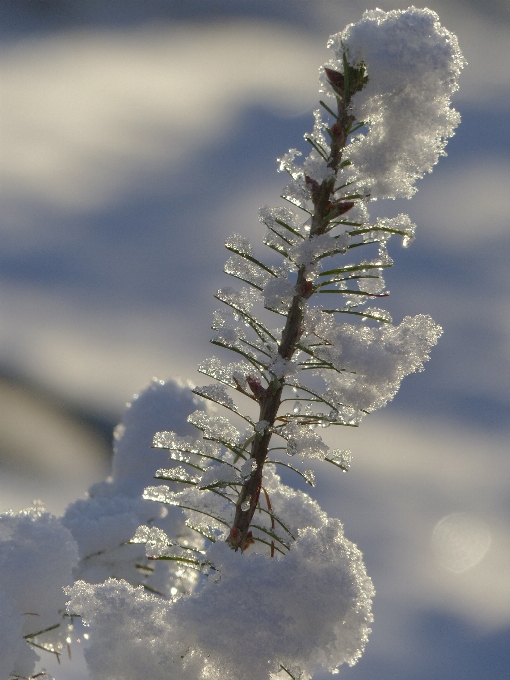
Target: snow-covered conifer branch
361,366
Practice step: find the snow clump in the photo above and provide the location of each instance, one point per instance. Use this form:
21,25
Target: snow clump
310,609
104,523
37,556
413,65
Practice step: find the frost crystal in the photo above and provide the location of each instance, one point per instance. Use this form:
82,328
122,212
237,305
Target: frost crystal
287,164
282,368
215,427
278,294
232,374
401,224
242,300
371,284
297,193
217,393
303,442
161,494
246,271
146,534
239,244
378,314
170,440
219,475
316,168
284,222
261,426
308,251
342,459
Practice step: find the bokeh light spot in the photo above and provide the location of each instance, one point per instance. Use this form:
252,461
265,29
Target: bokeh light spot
460,541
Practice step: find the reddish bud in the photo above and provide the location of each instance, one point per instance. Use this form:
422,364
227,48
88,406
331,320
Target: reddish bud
344,206
314,186
338,208
337,130
336,79
256,387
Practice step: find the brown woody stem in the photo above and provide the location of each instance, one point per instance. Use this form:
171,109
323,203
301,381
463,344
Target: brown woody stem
270,398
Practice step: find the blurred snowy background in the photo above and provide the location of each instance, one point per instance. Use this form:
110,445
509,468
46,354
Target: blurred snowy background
135,137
